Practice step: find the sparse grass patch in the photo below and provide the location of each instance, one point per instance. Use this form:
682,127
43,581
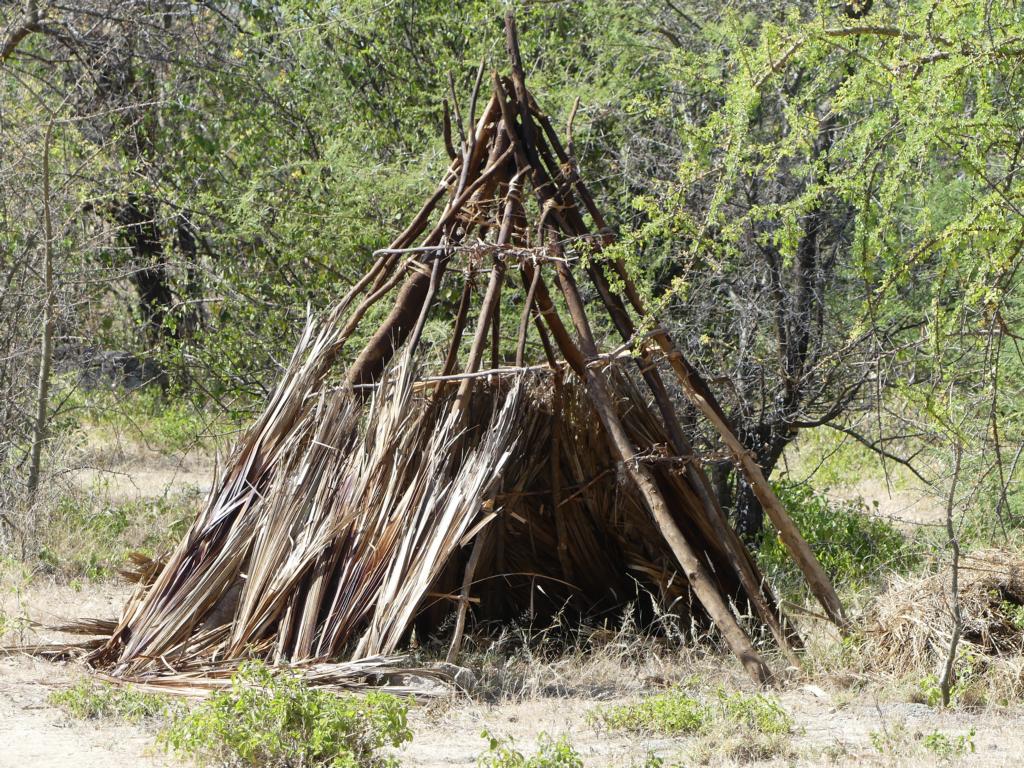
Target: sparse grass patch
671,714
575,660
89,700
896,740
678,712
757,712
893,739
551,753
89,535
732,726
833,459
268,720
735,747
148,417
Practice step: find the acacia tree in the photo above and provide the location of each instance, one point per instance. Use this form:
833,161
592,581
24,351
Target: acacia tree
848,187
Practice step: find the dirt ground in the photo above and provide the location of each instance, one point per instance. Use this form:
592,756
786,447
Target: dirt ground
833,725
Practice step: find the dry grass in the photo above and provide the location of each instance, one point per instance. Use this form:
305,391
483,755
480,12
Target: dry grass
521,664
907,628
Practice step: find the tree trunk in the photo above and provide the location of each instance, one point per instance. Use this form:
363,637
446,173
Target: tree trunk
766,443
39,428
148,273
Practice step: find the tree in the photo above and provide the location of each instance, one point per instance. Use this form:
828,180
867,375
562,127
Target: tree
837,204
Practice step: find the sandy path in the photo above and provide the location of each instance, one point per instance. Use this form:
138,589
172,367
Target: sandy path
35,735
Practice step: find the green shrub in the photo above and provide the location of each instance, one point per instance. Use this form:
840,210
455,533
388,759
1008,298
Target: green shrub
854,547
87,700
551,753
948,747
267,720
670,713
677,712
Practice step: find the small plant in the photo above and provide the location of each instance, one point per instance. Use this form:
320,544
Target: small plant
969,668
949,747
758,712
651,760
670,713
677,712
551,753
1014,614
17,576
891,740
931,693
267,720
87,700
13,624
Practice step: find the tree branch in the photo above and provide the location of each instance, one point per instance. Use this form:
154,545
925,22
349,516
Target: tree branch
30,23
874,446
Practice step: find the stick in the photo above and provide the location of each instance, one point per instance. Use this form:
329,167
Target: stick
464,599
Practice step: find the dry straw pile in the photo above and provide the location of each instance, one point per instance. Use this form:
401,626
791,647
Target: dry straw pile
908,628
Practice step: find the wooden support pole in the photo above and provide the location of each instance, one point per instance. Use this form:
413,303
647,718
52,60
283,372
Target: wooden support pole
493,295
700,581
467,583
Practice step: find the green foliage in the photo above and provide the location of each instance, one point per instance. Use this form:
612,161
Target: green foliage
855,548
89,534
88,700
677,712
268,720
672,713
1015,614
551,753
947,746
272,148
892,140
931,692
